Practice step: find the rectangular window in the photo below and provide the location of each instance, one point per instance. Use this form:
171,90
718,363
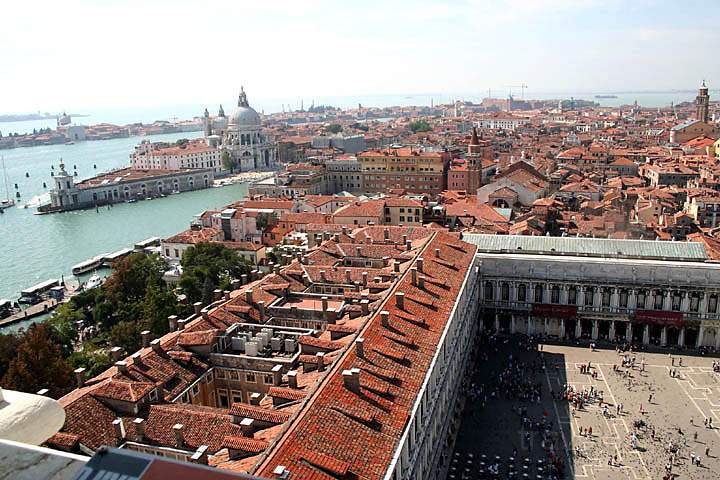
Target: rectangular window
223,398
250,377
268,379
236,396
522,292
195,391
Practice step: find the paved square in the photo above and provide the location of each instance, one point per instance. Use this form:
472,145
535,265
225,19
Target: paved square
674,418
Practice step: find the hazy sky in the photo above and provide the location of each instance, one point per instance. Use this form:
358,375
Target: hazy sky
82,54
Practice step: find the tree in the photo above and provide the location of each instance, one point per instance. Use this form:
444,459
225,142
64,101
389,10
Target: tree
38,364
182,142
158,305
132,274
334,128
93,359
63,326
207,266
126,335
228,162
8,348
420,126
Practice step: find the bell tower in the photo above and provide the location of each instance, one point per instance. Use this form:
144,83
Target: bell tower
702,104
477,150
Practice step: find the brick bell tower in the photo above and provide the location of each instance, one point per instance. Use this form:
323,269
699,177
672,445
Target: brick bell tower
702,104
478,150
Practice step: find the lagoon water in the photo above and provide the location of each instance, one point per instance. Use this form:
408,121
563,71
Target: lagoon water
37,247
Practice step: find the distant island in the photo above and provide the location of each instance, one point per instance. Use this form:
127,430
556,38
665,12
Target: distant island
606,96
26,117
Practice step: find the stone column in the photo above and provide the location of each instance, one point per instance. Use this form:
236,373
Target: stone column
646,334
512,323
681,337
497,323
547,326
614,298
701,333
564,294
531,325
663,337
513,292
685,302
562,328
717,339
581,296
547,293
650,300
628,332
632,299
702,304
611,333
667,301
597,297
578,328
595,330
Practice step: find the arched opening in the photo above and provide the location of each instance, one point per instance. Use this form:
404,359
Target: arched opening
500,203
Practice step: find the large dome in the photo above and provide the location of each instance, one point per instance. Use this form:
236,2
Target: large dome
244,115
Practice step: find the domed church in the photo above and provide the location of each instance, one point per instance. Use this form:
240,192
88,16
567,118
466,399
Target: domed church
244,139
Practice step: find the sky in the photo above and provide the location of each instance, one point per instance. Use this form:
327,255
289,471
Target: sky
89,54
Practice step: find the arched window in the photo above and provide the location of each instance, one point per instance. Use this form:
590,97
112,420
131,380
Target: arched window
538,293
572,295
489,291
522,292
505,292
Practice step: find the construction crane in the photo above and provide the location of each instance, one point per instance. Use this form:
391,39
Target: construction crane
522,88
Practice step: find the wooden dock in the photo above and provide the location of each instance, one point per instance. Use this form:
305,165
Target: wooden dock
30,312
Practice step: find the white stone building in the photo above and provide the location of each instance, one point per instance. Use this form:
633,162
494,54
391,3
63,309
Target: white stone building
649,292
245,141
161,155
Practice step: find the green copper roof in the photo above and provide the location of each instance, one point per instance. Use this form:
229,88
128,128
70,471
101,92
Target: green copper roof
589,247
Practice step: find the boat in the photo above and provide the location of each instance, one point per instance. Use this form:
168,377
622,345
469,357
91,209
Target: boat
87,265
110,258
34,294
7,202
93,282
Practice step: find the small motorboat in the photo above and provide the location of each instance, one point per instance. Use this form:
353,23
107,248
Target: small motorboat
93,282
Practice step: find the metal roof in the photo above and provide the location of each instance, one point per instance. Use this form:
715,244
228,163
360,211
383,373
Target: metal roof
589,247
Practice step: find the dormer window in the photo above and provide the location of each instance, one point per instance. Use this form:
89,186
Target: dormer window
154,395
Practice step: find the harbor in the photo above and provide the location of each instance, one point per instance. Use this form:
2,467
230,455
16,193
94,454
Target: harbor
38,247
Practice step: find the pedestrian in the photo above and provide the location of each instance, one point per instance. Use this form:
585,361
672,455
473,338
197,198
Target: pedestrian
695,436
692,457
650,398
589,431
707,451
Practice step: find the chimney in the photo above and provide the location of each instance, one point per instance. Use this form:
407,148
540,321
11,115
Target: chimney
121,366
181,324
179,440
255,398
276,269
344,230
217,294
400,300
337,238
408,245
139,425
404,239
421,282
234,284
351,379
396,266
136,358
348,276
246,427
386,234
200,456
172,319
322,275
116,353
330,315
292,378
155,344
358,251
360,347
281,473
119,429
197,306
437,253
324,303
365,306
226,294
385,318
320,357
244,279
145,335
413,272
79,378
249,296
419,264
364,278
261,309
